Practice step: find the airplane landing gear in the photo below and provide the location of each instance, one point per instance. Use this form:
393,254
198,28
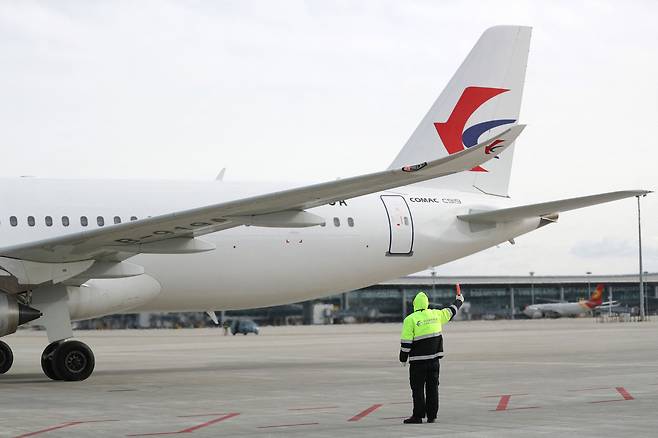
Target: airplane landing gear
47,360
67,360
6,358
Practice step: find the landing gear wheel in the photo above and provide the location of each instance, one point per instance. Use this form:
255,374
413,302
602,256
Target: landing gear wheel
73,361
6,358
48,360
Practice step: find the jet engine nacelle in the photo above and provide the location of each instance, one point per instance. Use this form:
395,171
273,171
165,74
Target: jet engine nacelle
13,314
107,296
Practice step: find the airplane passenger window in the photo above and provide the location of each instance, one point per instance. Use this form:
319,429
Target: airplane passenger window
133,218
83,221
13,221
117,220
30,221
100,221
65,221
406,221
49,221
336,222
350,221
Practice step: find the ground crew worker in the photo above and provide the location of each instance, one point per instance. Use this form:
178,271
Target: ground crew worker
422,344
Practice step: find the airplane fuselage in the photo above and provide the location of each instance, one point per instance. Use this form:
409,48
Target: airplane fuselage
556,309
365,240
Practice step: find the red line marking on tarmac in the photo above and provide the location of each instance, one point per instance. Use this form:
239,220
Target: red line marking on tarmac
61,426
624,393
589,389
193,428
621,390
288,425
504,401
500,395
209,423
202,415
365,413
312,409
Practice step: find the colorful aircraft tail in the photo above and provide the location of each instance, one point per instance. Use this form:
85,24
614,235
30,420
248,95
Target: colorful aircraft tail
482,99
597,297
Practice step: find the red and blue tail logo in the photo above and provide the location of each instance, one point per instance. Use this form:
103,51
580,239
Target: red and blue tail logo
452,133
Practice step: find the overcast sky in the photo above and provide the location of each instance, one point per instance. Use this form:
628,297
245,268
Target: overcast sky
311,90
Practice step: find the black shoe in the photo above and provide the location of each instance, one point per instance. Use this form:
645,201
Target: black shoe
431,420
413,420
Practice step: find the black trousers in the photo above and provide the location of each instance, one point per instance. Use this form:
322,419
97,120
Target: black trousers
424,380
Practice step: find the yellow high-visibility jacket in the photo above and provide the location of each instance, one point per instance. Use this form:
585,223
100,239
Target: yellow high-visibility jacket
421,337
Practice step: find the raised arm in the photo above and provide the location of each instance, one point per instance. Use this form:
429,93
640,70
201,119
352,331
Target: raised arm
449,312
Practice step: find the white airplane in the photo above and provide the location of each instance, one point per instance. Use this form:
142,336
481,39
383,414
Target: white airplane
74,249
556,310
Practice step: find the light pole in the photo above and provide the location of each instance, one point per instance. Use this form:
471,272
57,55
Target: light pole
433,274
646,299
532,287
639,241
589,289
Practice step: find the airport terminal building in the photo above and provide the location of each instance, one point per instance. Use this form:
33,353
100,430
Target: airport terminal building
503,296
487,297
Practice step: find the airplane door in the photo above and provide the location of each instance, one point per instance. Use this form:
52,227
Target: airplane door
401,225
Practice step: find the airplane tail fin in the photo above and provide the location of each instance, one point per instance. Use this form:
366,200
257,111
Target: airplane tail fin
483,97
597,297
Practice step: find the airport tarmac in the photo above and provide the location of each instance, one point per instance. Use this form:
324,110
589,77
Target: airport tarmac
572,377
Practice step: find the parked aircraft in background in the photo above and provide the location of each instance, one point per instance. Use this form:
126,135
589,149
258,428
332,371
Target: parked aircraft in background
73,250
556,310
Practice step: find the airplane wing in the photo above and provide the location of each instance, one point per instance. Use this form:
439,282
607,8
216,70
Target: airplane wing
176,232
547,209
